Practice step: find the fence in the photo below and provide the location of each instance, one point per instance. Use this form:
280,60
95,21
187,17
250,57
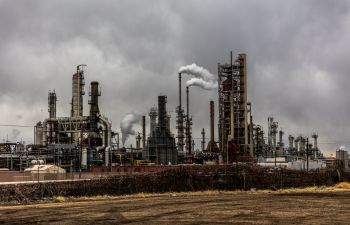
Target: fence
178,179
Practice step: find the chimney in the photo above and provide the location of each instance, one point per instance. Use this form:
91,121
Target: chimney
212,147
188,123
212,121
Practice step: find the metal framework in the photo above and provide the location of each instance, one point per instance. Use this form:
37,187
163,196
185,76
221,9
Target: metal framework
233,102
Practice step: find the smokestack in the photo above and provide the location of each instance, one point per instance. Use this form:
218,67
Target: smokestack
180,103
212,121
187,102
52,99
144,132
212,147
188,123
180,120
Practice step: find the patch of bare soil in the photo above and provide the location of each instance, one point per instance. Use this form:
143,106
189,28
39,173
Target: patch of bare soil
210,207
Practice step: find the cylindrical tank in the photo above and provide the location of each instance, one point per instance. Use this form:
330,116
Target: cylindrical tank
221,161
84,158
107,156
39,134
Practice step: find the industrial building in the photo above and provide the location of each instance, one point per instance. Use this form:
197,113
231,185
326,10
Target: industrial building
76,142
233,107
80,142
161,147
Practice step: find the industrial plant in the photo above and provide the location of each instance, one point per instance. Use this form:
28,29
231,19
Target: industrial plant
81,142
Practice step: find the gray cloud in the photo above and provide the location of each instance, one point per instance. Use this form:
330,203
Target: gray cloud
297,58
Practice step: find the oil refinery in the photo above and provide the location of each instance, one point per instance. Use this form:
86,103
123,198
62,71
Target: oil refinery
82,142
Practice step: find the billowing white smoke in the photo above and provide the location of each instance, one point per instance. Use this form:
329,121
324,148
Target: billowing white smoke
343,148
202,77
126,125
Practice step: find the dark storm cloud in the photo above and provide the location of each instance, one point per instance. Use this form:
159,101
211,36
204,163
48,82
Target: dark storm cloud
297,57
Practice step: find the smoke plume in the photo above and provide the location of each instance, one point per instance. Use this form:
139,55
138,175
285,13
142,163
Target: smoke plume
126,125
202,77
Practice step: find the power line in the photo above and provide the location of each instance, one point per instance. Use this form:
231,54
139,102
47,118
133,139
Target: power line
14,125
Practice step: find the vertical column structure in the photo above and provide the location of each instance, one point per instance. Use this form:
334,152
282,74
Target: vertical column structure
203,139
274,127
144,133
161,145
52,99
78,84
138,141
243,87
232,80
168,117
269,133
50,127
94,108
188,124
180,121
153,120
315,136
212,147
291,141
280,142
258,136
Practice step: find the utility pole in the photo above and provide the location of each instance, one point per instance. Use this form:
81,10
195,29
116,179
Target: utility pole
307,154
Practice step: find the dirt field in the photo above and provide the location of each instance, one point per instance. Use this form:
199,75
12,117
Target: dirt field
211,207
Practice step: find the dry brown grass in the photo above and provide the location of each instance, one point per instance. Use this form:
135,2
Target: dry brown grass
343,186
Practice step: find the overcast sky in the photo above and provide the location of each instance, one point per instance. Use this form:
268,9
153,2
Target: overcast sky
297,51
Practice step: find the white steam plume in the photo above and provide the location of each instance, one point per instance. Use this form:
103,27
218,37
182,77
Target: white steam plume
127,123
202,77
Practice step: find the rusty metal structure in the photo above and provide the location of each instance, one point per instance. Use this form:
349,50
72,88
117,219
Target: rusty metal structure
233,122
76,142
